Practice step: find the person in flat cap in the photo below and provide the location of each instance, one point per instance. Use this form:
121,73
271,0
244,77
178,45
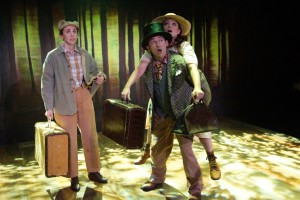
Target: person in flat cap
179,28
170,94
69,79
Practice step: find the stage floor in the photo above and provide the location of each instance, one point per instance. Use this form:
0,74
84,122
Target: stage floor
255,164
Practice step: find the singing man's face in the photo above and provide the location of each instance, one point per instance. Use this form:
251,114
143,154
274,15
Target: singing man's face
157,45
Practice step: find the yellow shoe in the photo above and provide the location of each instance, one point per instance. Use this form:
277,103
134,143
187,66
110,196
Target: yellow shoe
215,172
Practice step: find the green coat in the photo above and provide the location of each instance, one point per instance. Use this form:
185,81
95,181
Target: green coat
56,88
178,87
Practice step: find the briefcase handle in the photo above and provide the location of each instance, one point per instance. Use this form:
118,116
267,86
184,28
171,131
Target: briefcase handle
126,101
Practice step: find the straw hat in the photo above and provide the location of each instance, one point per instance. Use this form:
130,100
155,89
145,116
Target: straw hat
185,25
62,24
154,29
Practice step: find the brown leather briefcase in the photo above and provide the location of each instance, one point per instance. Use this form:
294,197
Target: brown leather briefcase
124,123
52,149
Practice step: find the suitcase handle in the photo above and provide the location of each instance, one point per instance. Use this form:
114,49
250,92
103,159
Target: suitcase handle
127,101
49,122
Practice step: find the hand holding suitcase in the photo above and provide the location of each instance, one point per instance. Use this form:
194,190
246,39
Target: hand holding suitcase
52,148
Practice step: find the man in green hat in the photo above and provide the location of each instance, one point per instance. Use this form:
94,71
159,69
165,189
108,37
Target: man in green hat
165,79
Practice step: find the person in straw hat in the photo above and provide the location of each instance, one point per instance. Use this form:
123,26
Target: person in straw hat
70,78
179,28
170,94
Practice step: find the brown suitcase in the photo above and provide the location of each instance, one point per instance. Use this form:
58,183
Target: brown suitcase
52,149
124,123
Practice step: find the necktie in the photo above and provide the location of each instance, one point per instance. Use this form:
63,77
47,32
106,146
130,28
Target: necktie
158,70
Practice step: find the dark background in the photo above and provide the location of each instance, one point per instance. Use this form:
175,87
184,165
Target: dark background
267,91
256,79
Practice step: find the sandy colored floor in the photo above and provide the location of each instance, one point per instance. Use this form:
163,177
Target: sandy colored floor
255,164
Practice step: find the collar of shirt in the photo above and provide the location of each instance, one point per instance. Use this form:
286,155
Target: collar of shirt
67,51
164,61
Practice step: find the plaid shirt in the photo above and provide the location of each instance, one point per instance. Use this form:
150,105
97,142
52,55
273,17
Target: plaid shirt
74,60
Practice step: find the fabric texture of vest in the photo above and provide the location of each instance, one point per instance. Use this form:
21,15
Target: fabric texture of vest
178,87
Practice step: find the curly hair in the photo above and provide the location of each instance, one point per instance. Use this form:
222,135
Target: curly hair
179,39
